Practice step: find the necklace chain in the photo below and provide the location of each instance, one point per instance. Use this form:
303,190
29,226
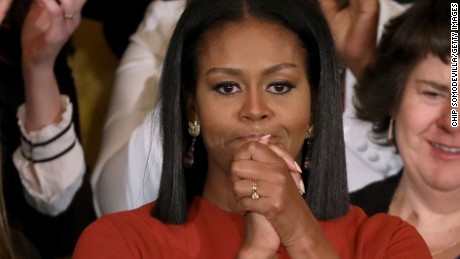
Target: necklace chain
434,253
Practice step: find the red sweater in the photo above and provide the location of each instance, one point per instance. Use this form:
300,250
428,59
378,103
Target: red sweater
213,233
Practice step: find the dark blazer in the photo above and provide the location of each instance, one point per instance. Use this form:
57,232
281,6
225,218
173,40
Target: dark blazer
376,197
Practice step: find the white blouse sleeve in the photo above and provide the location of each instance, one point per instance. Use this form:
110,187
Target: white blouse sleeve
121,166
367,161
50,163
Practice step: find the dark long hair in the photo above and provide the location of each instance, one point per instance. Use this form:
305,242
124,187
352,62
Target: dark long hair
6,248
407,39
326,192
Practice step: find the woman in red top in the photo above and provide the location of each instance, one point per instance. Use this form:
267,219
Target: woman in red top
244,82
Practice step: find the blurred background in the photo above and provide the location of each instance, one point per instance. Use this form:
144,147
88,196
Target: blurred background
94,66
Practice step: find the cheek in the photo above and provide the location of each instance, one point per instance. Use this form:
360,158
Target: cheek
407,125
413,120
214,124
299,125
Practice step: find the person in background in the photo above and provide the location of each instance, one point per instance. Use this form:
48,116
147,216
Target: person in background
243,85
405,94
357,26
47,195
130,156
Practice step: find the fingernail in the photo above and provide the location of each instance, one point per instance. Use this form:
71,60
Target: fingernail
297,167
302,187
265,139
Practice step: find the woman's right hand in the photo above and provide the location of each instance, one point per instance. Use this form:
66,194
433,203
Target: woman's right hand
354,27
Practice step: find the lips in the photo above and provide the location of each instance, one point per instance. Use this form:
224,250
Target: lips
252,138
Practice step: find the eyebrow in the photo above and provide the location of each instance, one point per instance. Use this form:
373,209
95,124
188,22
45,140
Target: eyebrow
441,87
236,71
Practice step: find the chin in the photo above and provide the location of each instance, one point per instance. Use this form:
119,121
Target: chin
445,180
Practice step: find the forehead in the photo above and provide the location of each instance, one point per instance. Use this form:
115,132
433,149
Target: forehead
250,38
431,68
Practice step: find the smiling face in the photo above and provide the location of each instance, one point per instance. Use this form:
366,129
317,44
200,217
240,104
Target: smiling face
251,81
429,146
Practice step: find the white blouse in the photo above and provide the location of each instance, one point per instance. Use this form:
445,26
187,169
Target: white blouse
50,162
128,169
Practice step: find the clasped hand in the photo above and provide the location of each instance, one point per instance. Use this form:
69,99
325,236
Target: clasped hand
280,215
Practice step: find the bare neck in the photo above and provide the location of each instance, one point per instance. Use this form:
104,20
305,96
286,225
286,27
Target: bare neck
435,213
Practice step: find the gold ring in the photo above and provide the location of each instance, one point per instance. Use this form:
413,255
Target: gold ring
254,195
68,16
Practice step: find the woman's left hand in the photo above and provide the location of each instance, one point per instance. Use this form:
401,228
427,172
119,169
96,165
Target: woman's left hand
47,27
280,201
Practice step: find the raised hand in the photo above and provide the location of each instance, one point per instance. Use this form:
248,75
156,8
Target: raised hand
4,7
355,31
46,29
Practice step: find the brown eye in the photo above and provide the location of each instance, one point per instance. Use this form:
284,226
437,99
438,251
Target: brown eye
227,88
279,87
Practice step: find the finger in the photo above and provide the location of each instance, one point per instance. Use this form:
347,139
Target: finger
244,188
290,162
369,6
54,10
72,6
263,205
272,198
329,6
243,180
265,139
299,182
252,169
256,151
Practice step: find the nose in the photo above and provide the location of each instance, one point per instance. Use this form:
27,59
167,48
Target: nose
255,106
449,120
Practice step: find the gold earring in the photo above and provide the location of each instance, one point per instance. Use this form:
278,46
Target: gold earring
193,128
310,133
194,131
308,137
390,131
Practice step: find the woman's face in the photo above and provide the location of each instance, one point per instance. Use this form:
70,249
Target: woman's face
429,146
251,81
